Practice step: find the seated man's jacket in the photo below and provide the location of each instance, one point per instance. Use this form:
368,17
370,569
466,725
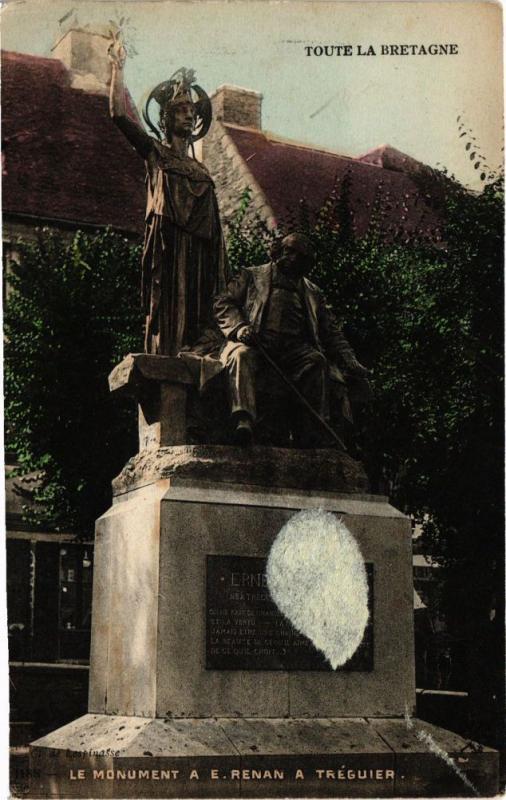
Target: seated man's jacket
245,300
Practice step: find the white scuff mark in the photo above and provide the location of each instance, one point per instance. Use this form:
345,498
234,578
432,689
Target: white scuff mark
316,576
427,739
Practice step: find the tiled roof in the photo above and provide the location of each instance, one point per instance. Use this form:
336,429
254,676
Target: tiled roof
63,158
290,172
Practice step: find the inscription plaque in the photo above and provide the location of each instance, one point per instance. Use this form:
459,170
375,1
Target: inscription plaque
245,629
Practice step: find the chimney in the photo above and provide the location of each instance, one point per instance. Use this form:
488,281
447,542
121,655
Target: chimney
84,54
234,105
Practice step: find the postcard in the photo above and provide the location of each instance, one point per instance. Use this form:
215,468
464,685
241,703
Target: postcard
253,364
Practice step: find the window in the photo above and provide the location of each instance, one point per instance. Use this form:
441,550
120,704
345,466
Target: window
49,599
74,613
19,590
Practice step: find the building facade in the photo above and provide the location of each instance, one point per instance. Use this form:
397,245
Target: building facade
65,167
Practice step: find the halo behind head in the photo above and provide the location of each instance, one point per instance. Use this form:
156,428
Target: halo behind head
181,88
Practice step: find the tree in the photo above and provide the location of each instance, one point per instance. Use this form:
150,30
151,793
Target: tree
426,314
73,311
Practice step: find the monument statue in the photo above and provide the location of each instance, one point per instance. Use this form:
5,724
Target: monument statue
277,325
184,260
252,608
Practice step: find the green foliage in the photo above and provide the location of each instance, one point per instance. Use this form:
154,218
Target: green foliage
426,314
248,245
73,311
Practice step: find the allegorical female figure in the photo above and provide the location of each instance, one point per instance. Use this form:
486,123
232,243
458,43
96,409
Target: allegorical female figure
184,260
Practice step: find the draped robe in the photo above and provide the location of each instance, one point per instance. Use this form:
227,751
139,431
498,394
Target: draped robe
184,260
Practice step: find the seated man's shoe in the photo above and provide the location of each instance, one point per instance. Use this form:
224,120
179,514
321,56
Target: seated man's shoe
243,434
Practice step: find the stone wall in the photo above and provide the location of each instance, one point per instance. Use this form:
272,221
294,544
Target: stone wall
84,53
232,177
233,105
237,106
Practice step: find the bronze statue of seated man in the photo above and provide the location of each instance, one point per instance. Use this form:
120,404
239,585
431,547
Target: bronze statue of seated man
283,341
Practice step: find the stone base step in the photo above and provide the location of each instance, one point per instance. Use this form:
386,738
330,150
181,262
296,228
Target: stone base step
101,756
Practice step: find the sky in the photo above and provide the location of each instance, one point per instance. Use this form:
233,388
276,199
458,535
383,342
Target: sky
348,104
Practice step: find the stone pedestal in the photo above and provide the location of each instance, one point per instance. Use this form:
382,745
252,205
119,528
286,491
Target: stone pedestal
189,696
101,756
149,611
164,722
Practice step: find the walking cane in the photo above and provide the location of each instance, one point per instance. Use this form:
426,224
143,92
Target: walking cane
299,394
